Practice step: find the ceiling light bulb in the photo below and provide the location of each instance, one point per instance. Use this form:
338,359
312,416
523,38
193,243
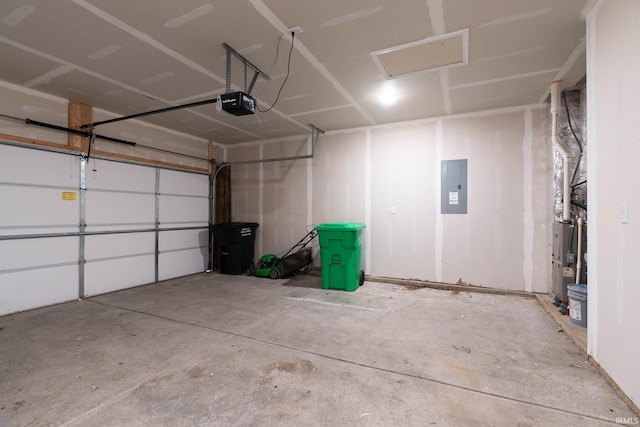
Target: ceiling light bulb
388,95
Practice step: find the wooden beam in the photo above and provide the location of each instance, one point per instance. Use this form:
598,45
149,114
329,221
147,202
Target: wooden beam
210,155
100,153
78,115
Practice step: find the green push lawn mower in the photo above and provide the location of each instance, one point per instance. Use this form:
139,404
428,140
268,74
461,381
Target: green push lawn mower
296,258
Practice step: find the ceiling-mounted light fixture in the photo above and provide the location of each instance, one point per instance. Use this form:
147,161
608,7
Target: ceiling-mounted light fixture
387,95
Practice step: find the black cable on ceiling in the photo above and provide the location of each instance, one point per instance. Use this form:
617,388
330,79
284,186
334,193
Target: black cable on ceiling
275,62
293,36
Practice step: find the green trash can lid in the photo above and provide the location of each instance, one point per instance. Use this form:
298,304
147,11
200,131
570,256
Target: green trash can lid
340,226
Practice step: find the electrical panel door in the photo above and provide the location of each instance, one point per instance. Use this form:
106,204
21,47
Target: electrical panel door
454,186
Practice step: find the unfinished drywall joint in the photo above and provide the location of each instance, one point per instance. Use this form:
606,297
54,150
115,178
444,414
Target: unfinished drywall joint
347,193
389,191
444,87
145,38
439,226
309,167
436,12
591,8
527,192
367,203
570,62
260,201
620,276
271,17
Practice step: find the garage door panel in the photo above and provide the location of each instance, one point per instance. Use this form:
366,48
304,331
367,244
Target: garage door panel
118,245
182,263
175,209
183,239
25,290
110,175
34,253
185,183
119,208
116,274
31,167
32,207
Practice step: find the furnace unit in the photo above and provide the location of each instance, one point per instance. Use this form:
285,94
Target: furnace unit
564,260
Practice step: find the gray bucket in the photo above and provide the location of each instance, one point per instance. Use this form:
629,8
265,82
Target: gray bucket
578,304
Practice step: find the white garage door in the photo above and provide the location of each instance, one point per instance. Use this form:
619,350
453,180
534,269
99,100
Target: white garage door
71,228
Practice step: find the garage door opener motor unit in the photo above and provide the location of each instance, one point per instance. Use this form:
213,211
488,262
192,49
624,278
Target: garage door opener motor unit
236,103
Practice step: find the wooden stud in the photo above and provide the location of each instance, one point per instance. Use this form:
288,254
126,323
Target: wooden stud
100,153
210,155
78,115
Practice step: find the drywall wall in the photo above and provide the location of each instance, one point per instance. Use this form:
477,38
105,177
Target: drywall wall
161,142
273,193
365,175
284,206
614,149
27,104
153,142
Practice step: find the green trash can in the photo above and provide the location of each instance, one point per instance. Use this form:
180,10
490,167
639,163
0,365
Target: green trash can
340,255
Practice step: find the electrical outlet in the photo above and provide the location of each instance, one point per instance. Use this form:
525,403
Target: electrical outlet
295,30
624,213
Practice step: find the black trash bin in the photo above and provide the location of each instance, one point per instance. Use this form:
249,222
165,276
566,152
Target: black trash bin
234,243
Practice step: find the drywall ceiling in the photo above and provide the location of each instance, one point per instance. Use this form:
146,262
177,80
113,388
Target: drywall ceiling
134,56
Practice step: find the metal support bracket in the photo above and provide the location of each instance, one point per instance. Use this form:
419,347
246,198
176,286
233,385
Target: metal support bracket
82,226
315,135
257,72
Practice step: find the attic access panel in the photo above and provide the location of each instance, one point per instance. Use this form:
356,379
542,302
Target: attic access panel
424,55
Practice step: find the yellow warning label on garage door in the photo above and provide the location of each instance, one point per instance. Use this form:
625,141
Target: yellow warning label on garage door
69,195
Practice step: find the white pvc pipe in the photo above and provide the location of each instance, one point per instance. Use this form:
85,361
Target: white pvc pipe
555,97
579,254
566,180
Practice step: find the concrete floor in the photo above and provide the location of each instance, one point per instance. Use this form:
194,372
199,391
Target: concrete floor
578,334
235,350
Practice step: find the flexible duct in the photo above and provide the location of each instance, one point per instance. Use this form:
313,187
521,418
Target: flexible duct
566,181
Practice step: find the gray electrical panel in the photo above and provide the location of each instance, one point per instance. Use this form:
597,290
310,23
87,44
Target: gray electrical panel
564,258
453,186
